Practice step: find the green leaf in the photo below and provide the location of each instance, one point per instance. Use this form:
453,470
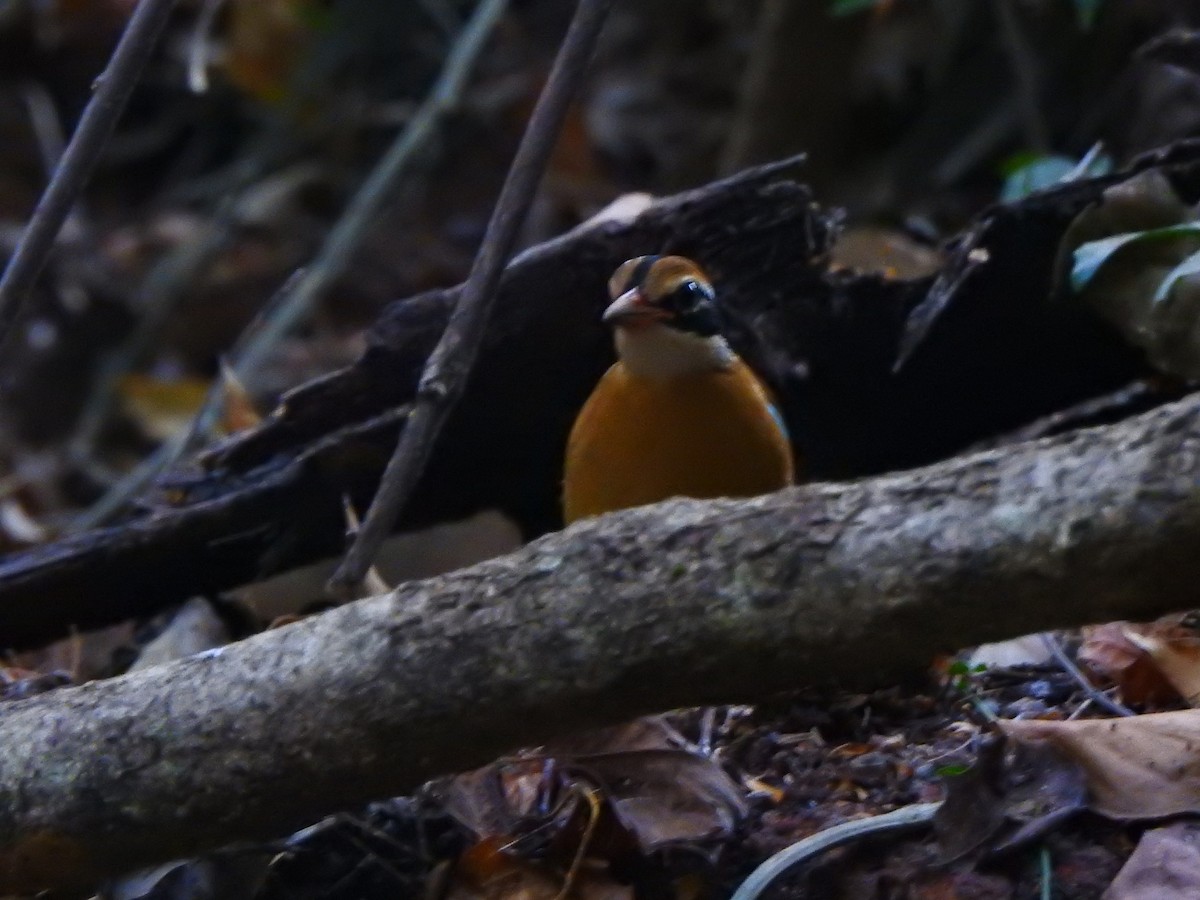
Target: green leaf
848,7
1016,162
1090,257
951,770
1038,174
1026,173
1189,266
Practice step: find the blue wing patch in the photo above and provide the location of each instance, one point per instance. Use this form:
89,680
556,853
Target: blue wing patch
778,417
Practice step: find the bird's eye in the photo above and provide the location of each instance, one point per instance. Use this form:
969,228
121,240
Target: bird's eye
688,295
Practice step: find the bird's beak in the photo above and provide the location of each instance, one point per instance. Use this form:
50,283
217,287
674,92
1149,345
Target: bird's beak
631,308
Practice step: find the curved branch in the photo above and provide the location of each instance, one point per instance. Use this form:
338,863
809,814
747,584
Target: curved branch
679,604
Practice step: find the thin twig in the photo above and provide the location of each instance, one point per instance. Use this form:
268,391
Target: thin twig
159,294
592,797
45,123
113,88
898,821
297,295
128,486
361,213
47,129
165,455
1094,694
446,372
199,46
163,288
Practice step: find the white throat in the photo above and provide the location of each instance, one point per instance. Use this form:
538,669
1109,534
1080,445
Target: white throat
662,352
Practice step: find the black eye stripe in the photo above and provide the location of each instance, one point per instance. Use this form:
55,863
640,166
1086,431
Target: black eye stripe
693,305
687,295
638,276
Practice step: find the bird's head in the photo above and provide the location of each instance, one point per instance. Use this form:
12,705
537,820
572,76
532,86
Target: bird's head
665,315
670,291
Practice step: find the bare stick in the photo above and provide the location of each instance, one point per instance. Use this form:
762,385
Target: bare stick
295,298
1096,695
446,372
113,88
45,123
360,215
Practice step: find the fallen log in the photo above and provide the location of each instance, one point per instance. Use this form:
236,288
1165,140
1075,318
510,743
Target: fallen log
985,351
271,500
679,604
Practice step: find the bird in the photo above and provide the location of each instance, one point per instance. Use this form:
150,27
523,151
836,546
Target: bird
679,413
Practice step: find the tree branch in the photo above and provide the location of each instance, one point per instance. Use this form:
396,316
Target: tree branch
445,375
337,252
113,88
684,603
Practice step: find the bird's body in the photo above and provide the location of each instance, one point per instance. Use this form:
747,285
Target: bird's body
679,414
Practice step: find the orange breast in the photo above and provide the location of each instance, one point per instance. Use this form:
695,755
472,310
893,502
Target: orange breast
638,441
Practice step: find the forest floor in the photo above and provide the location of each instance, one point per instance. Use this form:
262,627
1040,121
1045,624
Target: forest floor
216,193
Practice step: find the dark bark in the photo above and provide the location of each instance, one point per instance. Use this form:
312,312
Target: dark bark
987,351
684,603
272,500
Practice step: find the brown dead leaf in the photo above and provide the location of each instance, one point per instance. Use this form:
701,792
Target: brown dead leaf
488,870
666,797
240,412
1165,866
161,406
883,251
646,733
165,406
267,40
496,799
1008,800
1174,649
84,656
762,788
660,793
1136,768
520,880
1108,651
600,797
